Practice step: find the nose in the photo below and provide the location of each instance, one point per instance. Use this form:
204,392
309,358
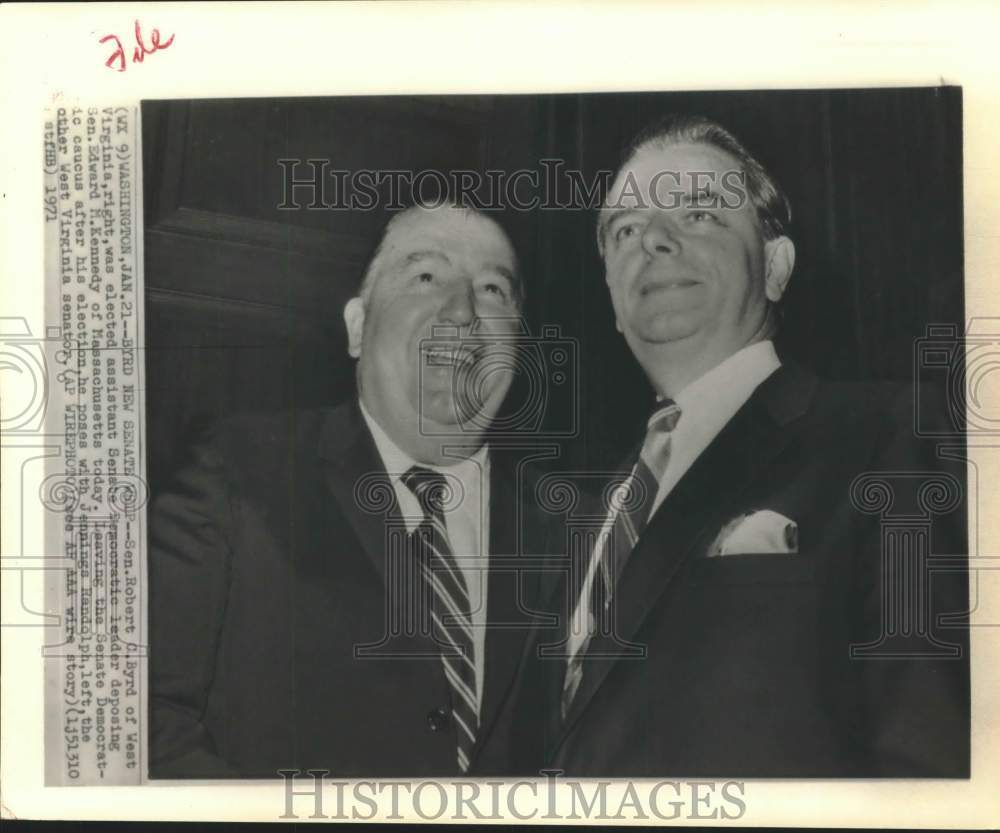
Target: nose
659,239
460,306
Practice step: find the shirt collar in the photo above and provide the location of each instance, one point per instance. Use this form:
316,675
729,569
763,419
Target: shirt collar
397,462
718,394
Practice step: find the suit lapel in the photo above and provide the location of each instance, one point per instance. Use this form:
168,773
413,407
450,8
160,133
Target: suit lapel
508,628
754,437
356,477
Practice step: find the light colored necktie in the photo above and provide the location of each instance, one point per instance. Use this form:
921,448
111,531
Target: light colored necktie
451,618
631,505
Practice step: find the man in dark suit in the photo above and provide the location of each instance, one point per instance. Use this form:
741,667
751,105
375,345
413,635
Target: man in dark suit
319,591
765,597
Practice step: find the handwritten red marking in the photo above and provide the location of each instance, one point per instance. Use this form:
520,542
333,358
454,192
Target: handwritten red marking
117,55
141,49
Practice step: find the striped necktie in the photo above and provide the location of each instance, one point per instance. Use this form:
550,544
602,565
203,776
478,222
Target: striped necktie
631,505
451,619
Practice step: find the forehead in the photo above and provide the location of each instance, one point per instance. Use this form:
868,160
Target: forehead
670,167
452,232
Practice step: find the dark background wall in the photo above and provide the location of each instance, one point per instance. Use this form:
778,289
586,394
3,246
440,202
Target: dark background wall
244,299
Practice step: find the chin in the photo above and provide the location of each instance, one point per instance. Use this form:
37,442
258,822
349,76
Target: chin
483,398
662,329
440,410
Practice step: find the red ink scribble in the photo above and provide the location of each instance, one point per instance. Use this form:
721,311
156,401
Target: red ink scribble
117,55
141,49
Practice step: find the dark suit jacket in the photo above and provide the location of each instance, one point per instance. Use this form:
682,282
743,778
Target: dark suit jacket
268,569
747,666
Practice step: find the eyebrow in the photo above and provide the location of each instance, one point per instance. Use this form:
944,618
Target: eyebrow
608,216
422,254
502,271
413,257
708,192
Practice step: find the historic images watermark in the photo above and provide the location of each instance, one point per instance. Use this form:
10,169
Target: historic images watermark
546,403
314,185
311,795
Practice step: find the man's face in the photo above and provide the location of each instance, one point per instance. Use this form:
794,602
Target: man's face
439,271
683,272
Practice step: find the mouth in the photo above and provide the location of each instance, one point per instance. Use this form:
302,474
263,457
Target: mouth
450,355
665,285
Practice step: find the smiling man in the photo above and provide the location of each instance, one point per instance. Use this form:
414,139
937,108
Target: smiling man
421,363
744,612
319,580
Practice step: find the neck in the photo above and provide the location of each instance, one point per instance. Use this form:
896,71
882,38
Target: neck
673,366
431,450
430,444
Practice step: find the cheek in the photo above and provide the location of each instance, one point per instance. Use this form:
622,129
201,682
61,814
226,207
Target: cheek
617,273
500,322
631,259
400,319
728,261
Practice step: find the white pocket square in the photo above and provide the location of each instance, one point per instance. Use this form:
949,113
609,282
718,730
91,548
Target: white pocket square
763,531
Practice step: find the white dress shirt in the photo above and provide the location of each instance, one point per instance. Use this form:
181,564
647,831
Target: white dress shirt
706,404
468,524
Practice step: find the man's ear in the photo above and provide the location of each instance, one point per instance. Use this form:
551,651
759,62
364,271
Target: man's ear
779,259
354,318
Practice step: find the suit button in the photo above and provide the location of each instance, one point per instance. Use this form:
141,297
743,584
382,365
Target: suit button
438,719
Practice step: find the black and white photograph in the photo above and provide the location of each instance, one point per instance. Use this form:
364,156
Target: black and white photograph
608,434
551,412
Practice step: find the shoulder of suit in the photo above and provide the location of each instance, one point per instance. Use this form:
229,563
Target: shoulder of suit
876,408
875,395
276,425
256,439
795,391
